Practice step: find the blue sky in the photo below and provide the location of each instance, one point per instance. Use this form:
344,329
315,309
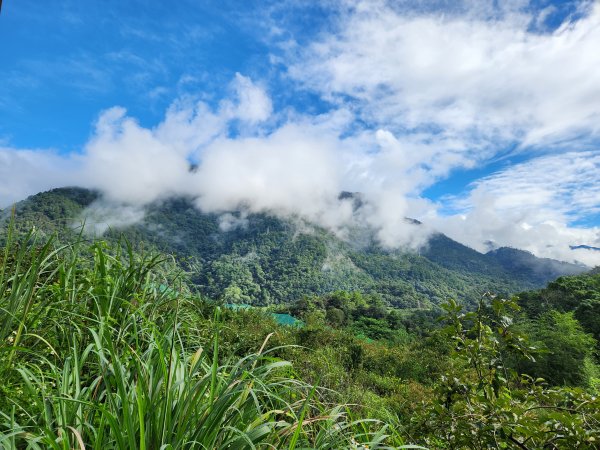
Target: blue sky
82,57
478,117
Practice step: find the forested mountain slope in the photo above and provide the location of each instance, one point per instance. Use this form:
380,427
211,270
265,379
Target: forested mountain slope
263,259
504,263
579,295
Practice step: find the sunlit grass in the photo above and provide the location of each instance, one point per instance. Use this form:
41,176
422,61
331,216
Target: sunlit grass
96,352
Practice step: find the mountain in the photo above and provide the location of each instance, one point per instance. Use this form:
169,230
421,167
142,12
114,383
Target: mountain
527,265
586,247
504,263
264,259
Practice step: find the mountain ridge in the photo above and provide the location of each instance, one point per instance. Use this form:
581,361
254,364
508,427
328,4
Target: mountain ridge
264,259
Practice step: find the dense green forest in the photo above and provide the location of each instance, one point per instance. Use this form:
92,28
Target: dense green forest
106,347
262,259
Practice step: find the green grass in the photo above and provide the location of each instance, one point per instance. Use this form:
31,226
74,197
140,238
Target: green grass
94,355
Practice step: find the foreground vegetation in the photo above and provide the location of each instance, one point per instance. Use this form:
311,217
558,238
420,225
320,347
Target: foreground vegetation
102,347
105,352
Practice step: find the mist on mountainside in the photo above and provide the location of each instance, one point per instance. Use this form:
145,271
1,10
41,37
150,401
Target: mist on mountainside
261,258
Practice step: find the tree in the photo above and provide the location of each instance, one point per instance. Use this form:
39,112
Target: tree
481,403
566,351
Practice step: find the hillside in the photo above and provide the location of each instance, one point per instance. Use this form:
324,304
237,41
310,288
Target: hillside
503,263
263,259
579,295
527,265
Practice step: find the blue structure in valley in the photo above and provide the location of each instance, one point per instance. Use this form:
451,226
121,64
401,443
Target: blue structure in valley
281,319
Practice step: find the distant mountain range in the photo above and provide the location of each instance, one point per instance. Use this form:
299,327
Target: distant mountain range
587,247
263,259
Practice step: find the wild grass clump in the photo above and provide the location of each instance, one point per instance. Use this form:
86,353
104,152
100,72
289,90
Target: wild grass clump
98,351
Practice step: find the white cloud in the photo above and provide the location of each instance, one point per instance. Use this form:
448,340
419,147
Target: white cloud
230,221
252,104
567,184
465,75
103,215
26,172
129,163
287,171
296,169
530,206
134,164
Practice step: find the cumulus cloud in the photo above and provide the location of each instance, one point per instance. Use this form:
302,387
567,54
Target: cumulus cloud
129,163
297,169
251,103
285,171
